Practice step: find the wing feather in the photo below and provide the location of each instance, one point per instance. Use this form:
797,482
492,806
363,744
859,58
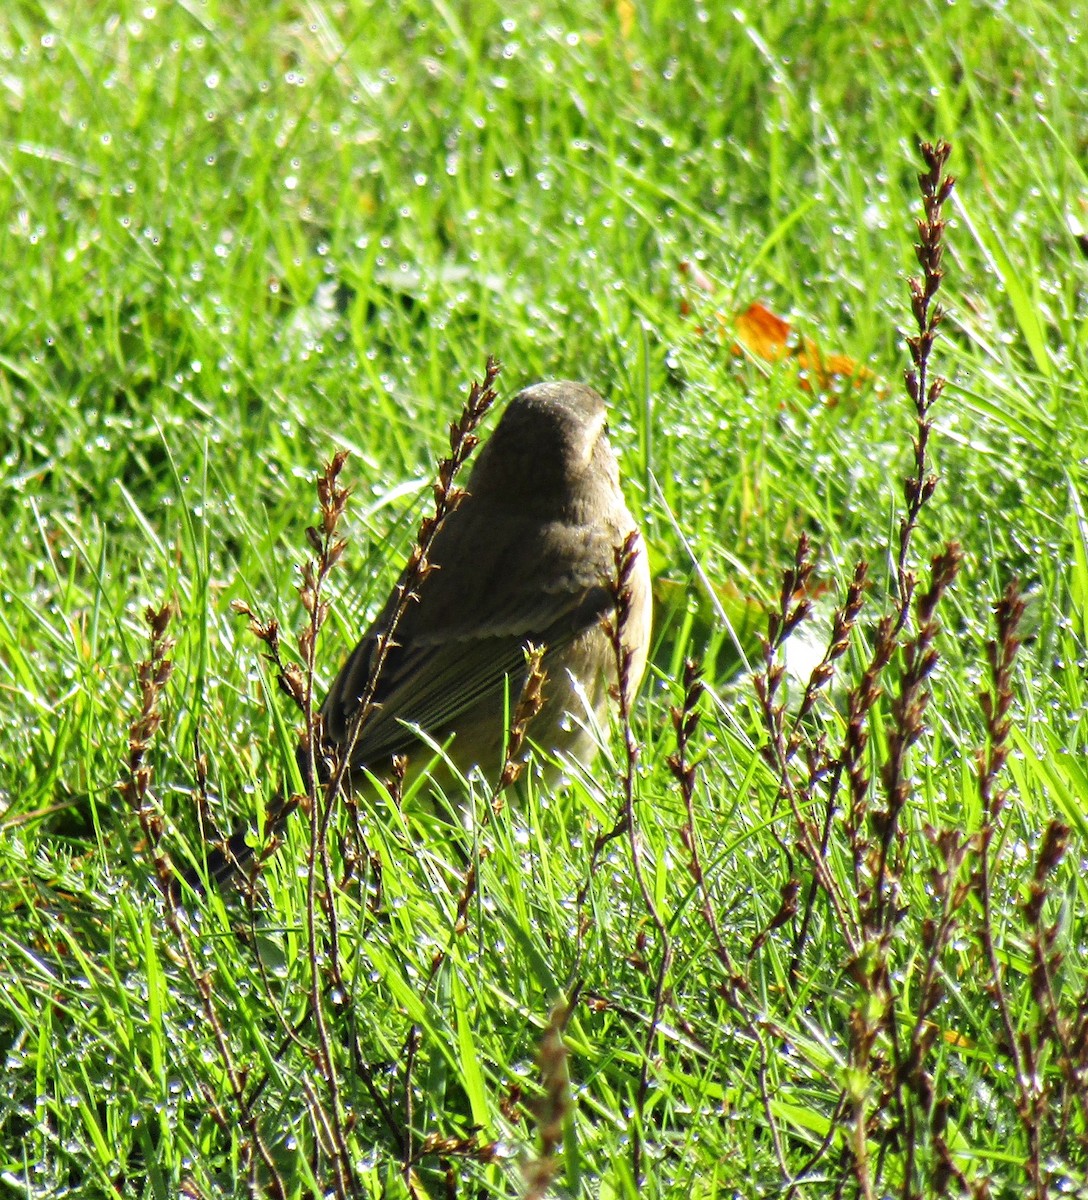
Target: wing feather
459,643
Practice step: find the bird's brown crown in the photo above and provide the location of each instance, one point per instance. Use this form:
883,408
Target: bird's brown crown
548,449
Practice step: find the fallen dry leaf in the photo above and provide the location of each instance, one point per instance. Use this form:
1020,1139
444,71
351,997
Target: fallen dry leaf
764,335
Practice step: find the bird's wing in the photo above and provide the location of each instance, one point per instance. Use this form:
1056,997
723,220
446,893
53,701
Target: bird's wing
432,685
458,644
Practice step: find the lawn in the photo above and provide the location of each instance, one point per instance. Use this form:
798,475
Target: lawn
838,945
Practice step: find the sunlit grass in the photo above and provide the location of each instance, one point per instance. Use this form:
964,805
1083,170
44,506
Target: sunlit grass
236,240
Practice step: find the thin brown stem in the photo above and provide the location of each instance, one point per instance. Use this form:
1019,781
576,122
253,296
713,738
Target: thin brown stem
936,187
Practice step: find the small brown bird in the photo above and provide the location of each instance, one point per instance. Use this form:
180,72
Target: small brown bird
524,559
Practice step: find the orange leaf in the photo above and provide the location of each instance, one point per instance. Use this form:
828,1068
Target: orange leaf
765,335
762,333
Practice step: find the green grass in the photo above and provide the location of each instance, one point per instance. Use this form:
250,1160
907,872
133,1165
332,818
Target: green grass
235,240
